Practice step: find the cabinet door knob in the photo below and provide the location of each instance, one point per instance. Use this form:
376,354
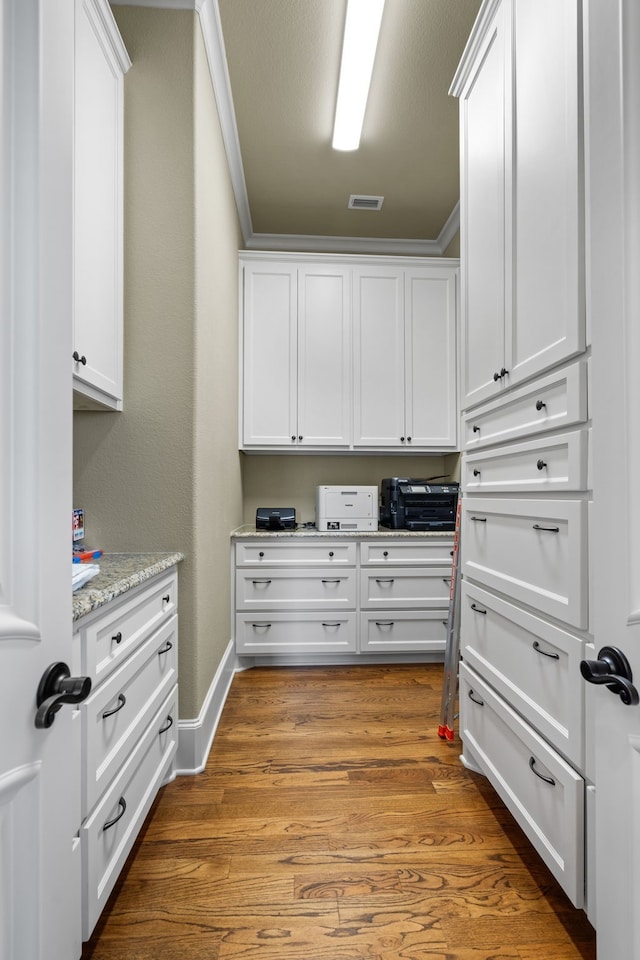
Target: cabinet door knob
540,405
300,437
401,439
330,553
476,428
496,376
166,598
293,437
540,464
385,553
408,439
476,473
79,359
117,637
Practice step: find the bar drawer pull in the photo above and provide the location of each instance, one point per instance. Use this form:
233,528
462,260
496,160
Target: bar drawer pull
478,609
121,702
168,646
543,653
257,582
475,699
122,803
333,580
167,725
326,624
532,767
537,526
385,580
478,519
384,623
261,626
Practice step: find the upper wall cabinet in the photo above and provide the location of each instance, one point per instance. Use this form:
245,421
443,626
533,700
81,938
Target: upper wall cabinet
101,61
405,357
340,355
521,194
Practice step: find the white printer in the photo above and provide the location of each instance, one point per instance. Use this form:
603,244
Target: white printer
346,508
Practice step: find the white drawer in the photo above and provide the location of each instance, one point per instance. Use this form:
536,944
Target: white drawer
534,665
403,630
405,587
299,589
127,802
543,793
404,553
306,553
109,639
296,633
116,710
549,403
533,550
549,464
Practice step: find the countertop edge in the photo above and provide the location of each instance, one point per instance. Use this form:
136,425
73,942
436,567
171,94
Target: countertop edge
120,573
248,531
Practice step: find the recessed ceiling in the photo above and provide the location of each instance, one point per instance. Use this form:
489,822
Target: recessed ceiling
283,59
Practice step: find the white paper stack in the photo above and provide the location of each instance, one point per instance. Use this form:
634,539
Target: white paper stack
81,573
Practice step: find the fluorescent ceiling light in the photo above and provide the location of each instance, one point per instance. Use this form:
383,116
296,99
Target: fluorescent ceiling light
361,30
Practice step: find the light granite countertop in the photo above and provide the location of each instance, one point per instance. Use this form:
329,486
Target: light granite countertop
120,572
249,530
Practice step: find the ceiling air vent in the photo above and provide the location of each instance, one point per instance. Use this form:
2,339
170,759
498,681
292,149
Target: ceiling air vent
365,203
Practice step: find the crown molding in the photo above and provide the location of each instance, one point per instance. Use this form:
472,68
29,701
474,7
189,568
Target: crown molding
209,14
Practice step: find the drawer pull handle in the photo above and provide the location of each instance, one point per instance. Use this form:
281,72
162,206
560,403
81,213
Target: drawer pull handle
121,702
475,699
540,405
540,464
331,624
261,626
333,580
384,623
476,472
168,646
117,637
385,580
478,519
537,526
167,725
532,766
446,579
256,582
166,598
478,609
122,803
538,649
476,428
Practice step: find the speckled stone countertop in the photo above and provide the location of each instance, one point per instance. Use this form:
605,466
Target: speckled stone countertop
120,572
248,530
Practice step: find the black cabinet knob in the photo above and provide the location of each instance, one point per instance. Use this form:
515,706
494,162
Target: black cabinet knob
540,405
540,464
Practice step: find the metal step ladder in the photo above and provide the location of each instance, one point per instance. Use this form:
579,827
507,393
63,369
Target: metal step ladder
452,648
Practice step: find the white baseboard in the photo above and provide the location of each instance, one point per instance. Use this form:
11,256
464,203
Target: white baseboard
196,736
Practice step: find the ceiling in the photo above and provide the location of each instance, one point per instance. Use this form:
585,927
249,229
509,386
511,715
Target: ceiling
283,60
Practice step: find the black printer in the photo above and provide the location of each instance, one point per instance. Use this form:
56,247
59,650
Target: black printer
407,504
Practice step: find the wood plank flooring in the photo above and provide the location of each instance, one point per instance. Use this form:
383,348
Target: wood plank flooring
332,823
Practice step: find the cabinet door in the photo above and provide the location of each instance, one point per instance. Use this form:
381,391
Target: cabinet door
98,222
270,355
485,244
324,357
430,358
378,304
547,325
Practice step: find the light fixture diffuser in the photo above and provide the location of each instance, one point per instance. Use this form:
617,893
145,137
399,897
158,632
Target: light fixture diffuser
361,31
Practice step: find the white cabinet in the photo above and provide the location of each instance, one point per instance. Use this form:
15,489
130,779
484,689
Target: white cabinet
348,353
521,194
101,61
404,338
525,430
129,727
296,356
302,596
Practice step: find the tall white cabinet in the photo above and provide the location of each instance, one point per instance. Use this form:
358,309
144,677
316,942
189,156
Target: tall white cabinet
348,353
522,233
525,425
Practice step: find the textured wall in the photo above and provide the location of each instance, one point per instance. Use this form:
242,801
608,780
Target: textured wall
151,477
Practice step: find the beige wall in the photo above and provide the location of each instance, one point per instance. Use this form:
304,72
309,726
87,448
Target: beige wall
152,477
291,481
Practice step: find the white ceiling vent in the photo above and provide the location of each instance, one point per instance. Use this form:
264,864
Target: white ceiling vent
359,202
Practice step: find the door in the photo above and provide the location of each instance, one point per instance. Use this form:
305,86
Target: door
613,185
378,339
484,122
39,769
324,356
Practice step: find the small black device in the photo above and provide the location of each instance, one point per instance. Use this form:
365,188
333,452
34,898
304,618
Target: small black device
407,504
275,518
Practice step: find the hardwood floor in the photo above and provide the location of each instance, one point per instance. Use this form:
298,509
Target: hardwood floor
332,823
